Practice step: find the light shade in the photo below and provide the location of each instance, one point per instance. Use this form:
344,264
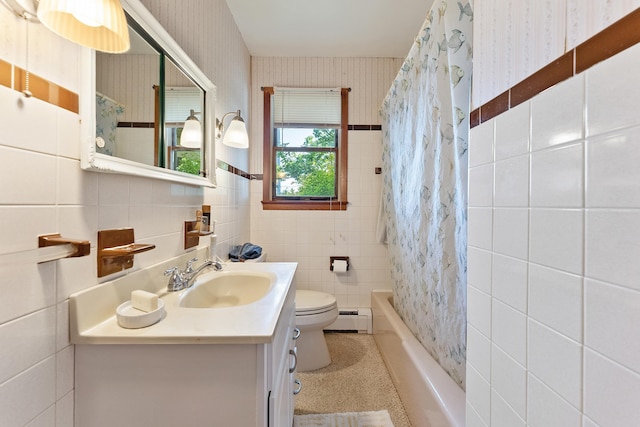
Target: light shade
236,134
98,24
191,136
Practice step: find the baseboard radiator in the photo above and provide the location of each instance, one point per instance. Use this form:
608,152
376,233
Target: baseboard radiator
352,320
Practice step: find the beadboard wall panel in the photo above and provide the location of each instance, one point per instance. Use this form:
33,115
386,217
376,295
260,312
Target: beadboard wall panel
515,38
129,80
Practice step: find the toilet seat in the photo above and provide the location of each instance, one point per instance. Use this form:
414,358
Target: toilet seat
312,302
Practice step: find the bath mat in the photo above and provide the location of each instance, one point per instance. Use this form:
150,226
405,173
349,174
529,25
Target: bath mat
345,419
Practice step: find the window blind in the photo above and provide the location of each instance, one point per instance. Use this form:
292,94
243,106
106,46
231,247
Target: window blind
306,106
179,101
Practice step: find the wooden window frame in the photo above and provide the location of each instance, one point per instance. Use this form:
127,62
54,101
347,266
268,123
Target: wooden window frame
268,201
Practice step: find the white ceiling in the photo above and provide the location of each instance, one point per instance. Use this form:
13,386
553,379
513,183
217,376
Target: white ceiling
343,28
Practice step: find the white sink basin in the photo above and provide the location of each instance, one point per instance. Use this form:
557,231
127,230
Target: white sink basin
227,289
254,294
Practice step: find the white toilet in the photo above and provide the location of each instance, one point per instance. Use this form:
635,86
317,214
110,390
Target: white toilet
314,311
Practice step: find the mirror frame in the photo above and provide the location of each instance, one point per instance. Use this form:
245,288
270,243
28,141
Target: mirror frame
97,162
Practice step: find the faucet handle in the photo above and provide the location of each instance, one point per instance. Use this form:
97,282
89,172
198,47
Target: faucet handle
189,268
175,281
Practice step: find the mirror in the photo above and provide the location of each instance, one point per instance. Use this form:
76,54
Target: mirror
138,103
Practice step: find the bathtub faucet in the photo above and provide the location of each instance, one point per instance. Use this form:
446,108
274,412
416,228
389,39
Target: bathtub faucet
179,280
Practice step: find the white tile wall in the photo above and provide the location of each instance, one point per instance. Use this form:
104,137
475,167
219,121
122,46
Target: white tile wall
605,154
479,269
509,380
509,331
557,177
479,392
43,190
502,414
473,419
479,310
557,114
512,182
610,392
557,238
481,185
513,133
481,151
509,284
545,408
556,361
611,322
311,237
28,393
510,232
612,245
480,356
555,299
605,82
480,223
566,262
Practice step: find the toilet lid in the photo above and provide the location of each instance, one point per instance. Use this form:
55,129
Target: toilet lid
313,301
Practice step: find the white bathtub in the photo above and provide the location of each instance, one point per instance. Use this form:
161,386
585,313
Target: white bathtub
430,397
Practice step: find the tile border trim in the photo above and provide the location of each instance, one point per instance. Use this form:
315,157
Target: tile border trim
364,127
619,36
258,176
232,169
13,77
141,125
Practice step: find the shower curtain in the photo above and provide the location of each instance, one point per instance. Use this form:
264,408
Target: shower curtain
425,133
107,113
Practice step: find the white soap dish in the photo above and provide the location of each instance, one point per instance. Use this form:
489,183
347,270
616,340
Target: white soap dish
132,318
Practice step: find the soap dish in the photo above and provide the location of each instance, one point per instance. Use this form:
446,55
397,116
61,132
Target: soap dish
132,318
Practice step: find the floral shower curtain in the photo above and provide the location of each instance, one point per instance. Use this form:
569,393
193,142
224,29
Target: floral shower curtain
425,133
107,113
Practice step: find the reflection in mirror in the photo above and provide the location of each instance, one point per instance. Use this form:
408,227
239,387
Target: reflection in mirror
129,99
181,97
127,95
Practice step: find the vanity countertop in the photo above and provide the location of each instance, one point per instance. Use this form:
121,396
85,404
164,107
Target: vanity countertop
93,311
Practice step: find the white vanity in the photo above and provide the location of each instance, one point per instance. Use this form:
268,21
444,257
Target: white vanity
217,366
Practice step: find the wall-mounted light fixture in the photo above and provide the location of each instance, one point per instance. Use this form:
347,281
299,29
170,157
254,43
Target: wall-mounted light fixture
191,136
236,135
97,24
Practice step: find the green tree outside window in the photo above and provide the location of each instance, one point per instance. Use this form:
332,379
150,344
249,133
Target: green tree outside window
309,169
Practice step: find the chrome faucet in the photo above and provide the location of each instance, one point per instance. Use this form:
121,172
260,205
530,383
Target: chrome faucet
190,274
179,280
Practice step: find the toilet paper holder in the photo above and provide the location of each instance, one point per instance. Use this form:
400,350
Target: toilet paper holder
336,258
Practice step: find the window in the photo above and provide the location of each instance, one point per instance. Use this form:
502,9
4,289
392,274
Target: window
305,148
178,102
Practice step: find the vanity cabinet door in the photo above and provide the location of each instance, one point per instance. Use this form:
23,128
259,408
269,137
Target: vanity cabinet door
281,402
147,385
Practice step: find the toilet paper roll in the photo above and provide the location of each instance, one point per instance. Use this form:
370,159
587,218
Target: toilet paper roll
339,266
